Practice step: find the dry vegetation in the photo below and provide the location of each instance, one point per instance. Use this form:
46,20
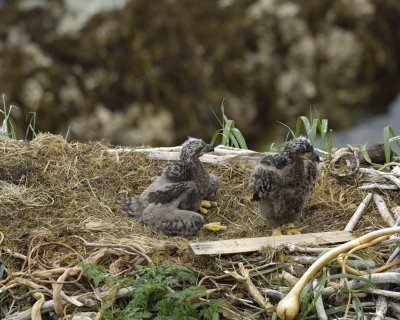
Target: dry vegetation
61,205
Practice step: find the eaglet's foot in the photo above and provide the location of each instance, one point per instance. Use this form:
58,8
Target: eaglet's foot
291,230
277,231
205,205
214,226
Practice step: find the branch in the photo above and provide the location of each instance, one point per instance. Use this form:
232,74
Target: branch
357,215
244,278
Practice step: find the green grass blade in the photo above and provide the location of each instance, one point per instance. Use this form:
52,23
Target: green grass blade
239,137
386,143
297,127
226,131
306,123
313,133
330,138
214,137
365,153
290,130
393,134
233,141
323,129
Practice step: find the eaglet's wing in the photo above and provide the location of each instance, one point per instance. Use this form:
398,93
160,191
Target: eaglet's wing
264,179
169,193
177,172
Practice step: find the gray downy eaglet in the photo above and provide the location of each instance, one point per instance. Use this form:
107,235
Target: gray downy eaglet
282,183
170,203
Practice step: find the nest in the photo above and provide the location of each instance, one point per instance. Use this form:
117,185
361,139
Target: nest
58,197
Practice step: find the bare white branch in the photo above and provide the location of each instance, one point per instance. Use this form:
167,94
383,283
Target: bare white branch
357,215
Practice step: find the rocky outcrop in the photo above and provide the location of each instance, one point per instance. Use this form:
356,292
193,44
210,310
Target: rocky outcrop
147,72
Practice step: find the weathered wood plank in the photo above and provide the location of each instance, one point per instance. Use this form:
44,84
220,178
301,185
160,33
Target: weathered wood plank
255,244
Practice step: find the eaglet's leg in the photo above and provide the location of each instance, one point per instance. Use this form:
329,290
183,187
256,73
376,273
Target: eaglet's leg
212,189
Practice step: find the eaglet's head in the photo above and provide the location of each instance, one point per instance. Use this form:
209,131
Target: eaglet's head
300,149
194,148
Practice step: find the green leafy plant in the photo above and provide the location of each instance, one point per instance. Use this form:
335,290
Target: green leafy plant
313,127
96,274
229,134
163,290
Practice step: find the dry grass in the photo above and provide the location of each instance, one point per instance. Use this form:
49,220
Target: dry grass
54,188
51,190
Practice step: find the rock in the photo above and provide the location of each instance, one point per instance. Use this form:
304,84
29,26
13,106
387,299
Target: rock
134,72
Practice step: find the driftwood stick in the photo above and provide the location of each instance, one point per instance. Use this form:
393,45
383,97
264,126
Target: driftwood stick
319,305
377,278
358,264
374,172
294,248
288,277
379,186
381,308
394,306
393,179
396,251
357,215
14,254
383,210
385,293
244,277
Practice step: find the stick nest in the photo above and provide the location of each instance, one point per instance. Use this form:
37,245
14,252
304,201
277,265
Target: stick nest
70,194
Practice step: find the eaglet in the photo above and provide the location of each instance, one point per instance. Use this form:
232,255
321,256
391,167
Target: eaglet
282,184
170,202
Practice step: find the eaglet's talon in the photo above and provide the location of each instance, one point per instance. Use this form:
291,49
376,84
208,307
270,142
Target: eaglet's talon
277,231
203,210
204,205
214,226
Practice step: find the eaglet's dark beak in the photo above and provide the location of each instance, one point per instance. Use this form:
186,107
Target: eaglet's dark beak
208,148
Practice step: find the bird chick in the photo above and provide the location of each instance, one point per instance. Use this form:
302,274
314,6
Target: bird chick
170,203
282,183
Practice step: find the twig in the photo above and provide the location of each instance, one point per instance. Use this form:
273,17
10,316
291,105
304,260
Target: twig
14,254
289,278
381,308
294,248
319,305
385,293
359,264
383,210
394,306
244,278
357,215
374,172
379,186
396,251
393,179
377,278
